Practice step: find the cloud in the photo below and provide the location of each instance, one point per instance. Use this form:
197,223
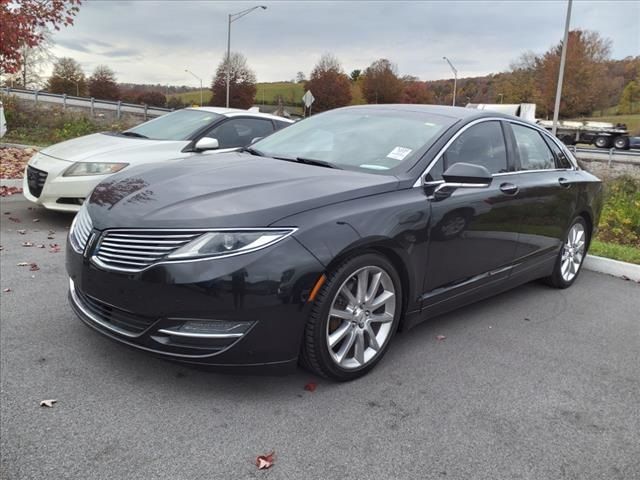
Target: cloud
480,37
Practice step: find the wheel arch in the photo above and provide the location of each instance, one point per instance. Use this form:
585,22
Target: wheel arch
385,249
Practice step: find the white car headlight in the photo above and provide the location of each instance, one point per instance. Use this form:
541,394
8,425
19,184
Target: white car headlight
80,169
221,243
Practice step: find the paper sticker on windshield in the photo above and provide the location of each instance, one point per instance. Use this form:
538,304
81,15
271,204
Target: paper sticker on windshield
399,153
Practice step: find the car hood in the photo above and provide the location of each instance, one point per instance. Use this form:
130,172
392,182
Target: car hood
224,190
110,147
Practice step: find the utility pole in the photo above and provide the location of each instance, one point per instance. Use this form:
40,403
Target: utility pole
563,57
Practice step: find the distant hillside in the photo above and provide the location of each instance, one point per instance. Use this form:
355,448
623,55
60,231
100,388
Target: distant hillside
267,93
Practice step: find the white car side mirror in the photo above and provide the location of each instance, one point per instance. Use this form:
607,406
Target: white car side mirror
207,143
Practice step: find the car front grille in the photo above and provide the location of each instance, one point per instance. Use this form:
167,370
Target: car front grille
135,250
36,179
80,230
113,318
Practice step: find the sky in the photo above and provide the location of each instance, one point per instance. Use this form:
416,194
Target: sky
150,41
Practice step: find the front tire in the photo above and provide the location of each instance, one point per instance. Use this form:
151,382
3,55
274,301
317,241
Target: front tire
354,317
571,255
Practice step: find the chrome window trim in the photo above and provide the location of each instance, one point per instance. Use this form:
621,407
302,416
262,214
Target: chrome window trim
96,261
420,181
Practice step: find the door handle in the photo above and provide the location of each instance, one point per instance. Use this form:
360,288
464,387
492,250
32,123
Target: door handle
564,182
509,188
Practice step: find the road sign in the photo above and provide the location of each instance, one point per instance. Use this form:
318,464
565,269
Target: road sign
308,98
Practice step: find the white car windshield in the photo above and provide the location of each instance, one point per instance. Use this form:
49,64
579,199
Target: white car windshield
378,141
178,125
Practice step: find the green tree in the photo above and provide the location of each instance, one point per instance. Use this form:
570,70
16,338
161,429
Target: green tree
242,83
355,75
67,77
102,84
381,83
630,99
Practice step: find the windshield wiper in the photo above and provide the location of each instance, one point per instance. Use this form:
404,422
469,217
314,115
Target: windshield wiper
252,151
309,161
133,134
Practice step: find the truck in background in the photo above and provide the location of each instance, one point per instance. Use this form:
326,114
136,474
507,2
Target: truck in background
598,134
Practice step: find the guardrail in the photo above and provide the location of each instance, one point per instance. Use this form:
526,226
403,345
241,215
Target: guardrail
611,153
88,103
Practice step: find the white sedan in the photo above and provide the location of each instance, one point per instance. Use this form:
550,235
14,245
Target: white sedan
61,176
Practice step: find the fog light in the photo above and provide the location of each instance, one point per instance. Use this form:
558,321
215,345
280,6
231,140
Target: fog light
208,329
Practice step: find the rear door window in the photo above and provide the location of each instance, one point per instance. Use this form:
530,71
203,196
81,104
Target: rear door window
532,149
561,158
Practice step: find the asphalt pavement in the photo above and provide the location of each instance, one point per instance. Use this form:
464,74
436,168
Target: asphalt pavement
536,383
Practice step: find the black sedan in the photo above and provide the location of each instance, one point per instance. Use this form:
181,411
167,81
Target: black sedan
317,243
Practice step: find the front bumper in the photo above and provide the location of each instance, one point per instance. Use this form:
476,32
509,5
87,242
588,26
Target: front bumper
58,192
264,293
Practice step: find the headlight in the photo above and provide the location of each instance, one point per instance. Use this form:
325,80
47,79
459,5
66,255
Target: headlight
80,169
214,244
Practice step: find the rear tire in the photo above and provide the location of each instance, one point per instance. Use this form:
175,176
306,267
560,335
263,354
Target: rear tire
602,142
353,319
571,255
621,143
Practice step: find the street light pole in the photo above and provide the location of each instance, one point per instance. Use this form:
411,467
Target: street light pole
197,78
563,57
232,18
501,95
455,80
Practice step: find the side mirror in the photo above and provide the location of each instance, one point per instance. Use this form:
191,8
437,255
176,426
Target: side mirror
206,143
467,175
462,175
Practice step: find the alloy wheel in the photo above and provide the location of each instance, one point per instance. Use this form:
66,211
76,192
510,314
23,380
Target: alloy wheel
573,252
361,317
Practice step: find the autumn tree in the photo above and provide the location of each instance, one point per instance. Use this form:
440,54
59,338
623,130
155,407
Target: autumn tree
584,77
102,84
415,91
381,83
23,23
630,99
242,83
152,98
67,77
329,84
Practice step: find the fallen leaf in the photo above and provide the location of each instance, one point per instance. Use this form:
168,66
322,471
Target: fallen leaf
527,319
440,337
265,461
48,403
41,245
14,219
1,247
13,161
55,248
34,267
7,213
27,244
311,387
51,237
23,264
36,220
8,191
6,290
21,232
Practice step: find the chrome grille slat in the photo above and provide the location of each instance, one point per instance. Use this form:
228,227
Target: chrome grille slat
129,251
133,250
81,230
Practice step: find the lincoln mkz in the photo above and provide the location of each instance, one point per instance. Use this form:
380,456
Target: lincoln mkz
316,244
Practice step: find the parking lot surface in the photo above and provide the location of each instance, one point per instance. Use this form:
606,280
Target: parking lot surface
535,383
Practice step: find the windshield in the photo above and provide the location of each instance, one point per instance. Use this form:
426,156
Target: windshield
377,141
178,125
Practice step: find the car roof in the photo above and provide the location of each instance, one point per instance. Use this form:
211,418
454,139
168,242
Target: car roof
235,112
458,113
